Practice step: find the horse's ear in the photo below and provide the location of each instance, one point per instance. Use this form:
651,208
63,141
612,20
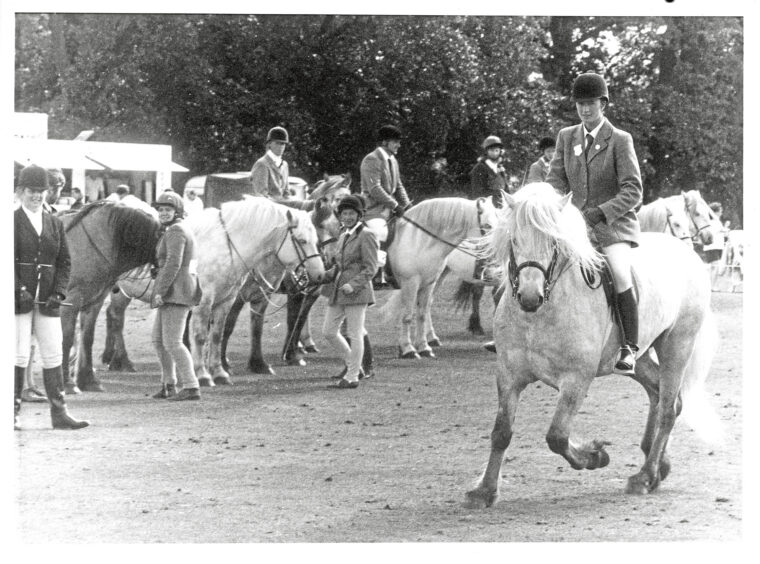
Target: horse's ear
291,218
347,176
325,176
508,198
564,200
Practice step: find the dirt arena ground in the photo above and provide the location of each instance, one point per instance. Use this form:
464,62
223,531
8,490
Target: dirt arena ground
287,458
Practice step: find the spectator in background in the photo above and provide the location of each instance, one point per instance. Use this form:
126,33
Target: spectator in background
56,181
193,202
76,193
488,178
122,190
540,169
93,187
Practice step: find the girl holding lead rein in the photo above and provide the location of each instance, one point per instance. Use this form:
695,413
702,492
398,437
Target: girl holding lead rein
597,162
175,291
349,287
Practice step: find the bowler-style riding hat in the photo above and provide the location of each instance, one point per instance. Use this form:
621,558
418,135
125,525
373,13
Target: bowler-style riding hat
33,177
352,201
278,134
389,133
590,85
492,141
546,143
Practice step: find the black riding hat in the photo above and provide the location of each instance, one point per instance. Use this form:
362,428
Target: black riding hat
33,177
546,143
389,133
590,85
352,201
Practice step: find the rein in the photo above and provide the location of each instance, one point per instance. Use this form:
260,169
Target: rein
449,243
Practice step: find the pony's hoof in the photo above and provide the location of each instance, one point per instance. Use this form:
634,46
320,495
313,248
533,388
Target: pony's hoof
92,387
206,382
640,484
479,499
435,343
311,349
478,331
222,381
296,361
260,368
427,353
410,355
71,389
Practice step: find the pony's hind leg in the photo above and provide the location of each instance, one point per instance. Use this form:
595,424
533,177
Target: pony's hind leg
648,375
486,492
118,359
474,325
673,358
581,456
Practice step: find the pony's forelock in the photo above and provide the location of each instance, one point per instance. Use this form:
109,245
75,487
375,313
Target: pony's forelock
536,223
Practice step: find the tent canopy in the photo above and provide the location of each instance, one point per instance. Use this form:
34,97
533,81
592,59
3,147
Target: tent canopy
95,155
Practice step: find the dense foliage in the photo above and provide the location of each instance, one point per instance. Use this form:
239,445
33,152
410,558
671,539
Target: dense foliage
212,85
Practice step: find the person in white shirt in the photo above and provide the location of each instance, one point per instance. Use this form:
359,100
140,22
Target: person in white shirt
193,202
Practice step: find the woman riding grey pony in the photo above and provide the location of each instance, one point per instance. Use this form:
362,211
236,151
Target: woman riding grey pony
597,162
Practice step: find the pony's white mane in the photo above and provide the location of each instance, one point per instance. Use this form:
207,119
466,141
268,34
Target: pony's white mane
255,215
449,218
537,223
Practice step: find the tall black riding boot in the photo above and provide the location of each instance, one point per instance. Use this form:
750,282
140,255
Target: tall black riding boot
18,385
53,378
629,319
368,359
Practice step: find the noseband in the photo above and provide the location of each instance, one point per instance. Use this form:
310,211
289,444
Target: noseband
300,274
548,272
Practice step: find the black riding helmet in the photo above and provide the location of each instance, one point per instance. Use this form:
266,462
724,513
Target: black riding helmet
352,201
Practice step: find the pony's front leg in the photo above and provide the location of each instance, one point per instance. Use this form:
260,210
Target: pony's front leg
118,359
590,455
86,379
424,320
69,328
408,294
199,322
256,362
229,326
486,492
219,315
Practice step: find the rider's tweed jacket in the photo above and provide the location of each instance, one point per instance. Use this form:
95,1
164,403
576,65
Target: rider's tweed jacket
270,180
381,181
356,264
610,180
176,282
42,257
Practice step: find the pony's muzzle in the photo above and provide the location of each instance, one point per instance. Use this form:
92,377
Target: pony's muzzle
531,302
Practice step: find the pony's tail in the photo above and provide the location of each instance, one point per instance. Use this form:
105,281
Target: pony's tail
697,412
464,296
390,310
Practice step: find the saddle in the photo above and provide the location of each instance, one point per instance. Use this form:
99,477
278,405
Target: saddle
603,277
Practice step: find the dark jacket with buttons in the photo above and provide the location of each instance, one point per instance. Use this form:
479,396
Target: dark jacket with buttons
40,259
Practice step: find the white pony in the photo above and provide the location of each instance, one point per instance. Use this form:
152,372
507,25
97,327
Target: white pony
554,325
425,236
253,237
668,215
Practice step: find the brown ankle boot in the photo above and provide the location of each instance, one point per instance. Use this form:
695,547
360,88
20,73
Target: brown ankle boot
53,379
